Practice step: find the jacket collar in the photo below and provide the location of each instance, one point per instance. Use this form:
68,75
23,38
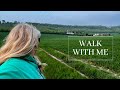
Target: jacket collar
29,58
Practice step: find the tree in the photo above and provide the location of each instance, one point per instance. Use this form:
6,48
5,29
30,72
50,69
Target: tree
3,21
15,22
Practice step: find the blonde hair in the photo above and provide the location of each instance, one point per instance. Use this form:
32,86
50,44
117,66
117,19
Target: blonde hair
22,39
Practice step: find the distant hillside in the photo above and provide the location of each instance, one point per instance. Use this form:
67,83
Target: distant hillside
62,29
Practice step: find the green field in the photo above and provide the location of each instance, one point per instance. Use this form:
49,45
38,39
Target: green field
60,67
55,44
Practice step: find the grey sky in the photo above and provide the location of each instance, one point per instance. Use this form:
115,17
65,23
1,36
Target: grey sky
64,17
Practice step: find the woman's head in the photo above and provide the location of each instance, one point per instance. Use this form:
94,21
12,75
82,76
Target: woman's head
21,41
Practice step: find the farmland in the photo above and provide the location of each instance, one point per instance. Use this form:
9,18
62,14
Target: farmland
57,45
53,50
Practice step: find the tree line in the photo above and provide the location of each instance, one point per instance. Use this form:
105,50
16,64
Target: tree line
62,29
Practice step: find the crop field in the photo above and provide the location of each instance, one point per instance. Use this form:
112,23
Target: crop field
57,45
53,50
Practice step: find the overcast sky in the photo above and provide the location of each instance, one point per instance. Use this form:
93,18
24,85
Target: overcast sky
105,18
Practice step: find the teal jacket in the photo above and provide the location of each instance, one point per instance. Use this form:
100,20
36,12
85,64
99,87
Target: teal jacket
17,68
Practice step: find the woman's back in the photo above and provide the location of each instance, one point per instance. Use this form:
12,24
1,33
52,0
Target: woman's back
16,68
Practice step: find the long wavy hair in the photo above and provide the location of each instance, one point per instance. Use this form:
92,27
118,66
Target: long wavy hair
21,40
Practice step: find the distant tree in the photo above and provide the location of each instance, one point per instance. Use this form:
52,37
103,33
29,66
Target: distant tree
3,21
7,22
86,34
15,22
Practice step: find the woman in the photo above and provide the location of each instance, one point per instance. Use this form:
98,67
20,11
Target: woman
17,55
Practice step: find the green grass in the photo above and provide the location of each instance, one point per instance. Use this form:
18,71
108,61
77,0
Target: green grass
2,36
57,70
86,69
60,42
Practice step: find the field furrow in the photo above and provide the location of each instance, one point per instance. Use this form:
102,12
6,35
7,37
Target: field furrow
98,67
63,63
84,68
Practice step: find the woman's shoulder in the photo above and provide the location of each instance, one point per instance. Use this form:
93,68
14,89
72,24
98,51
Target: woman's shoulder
15,68
10,68
16,63
12,64
13,61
